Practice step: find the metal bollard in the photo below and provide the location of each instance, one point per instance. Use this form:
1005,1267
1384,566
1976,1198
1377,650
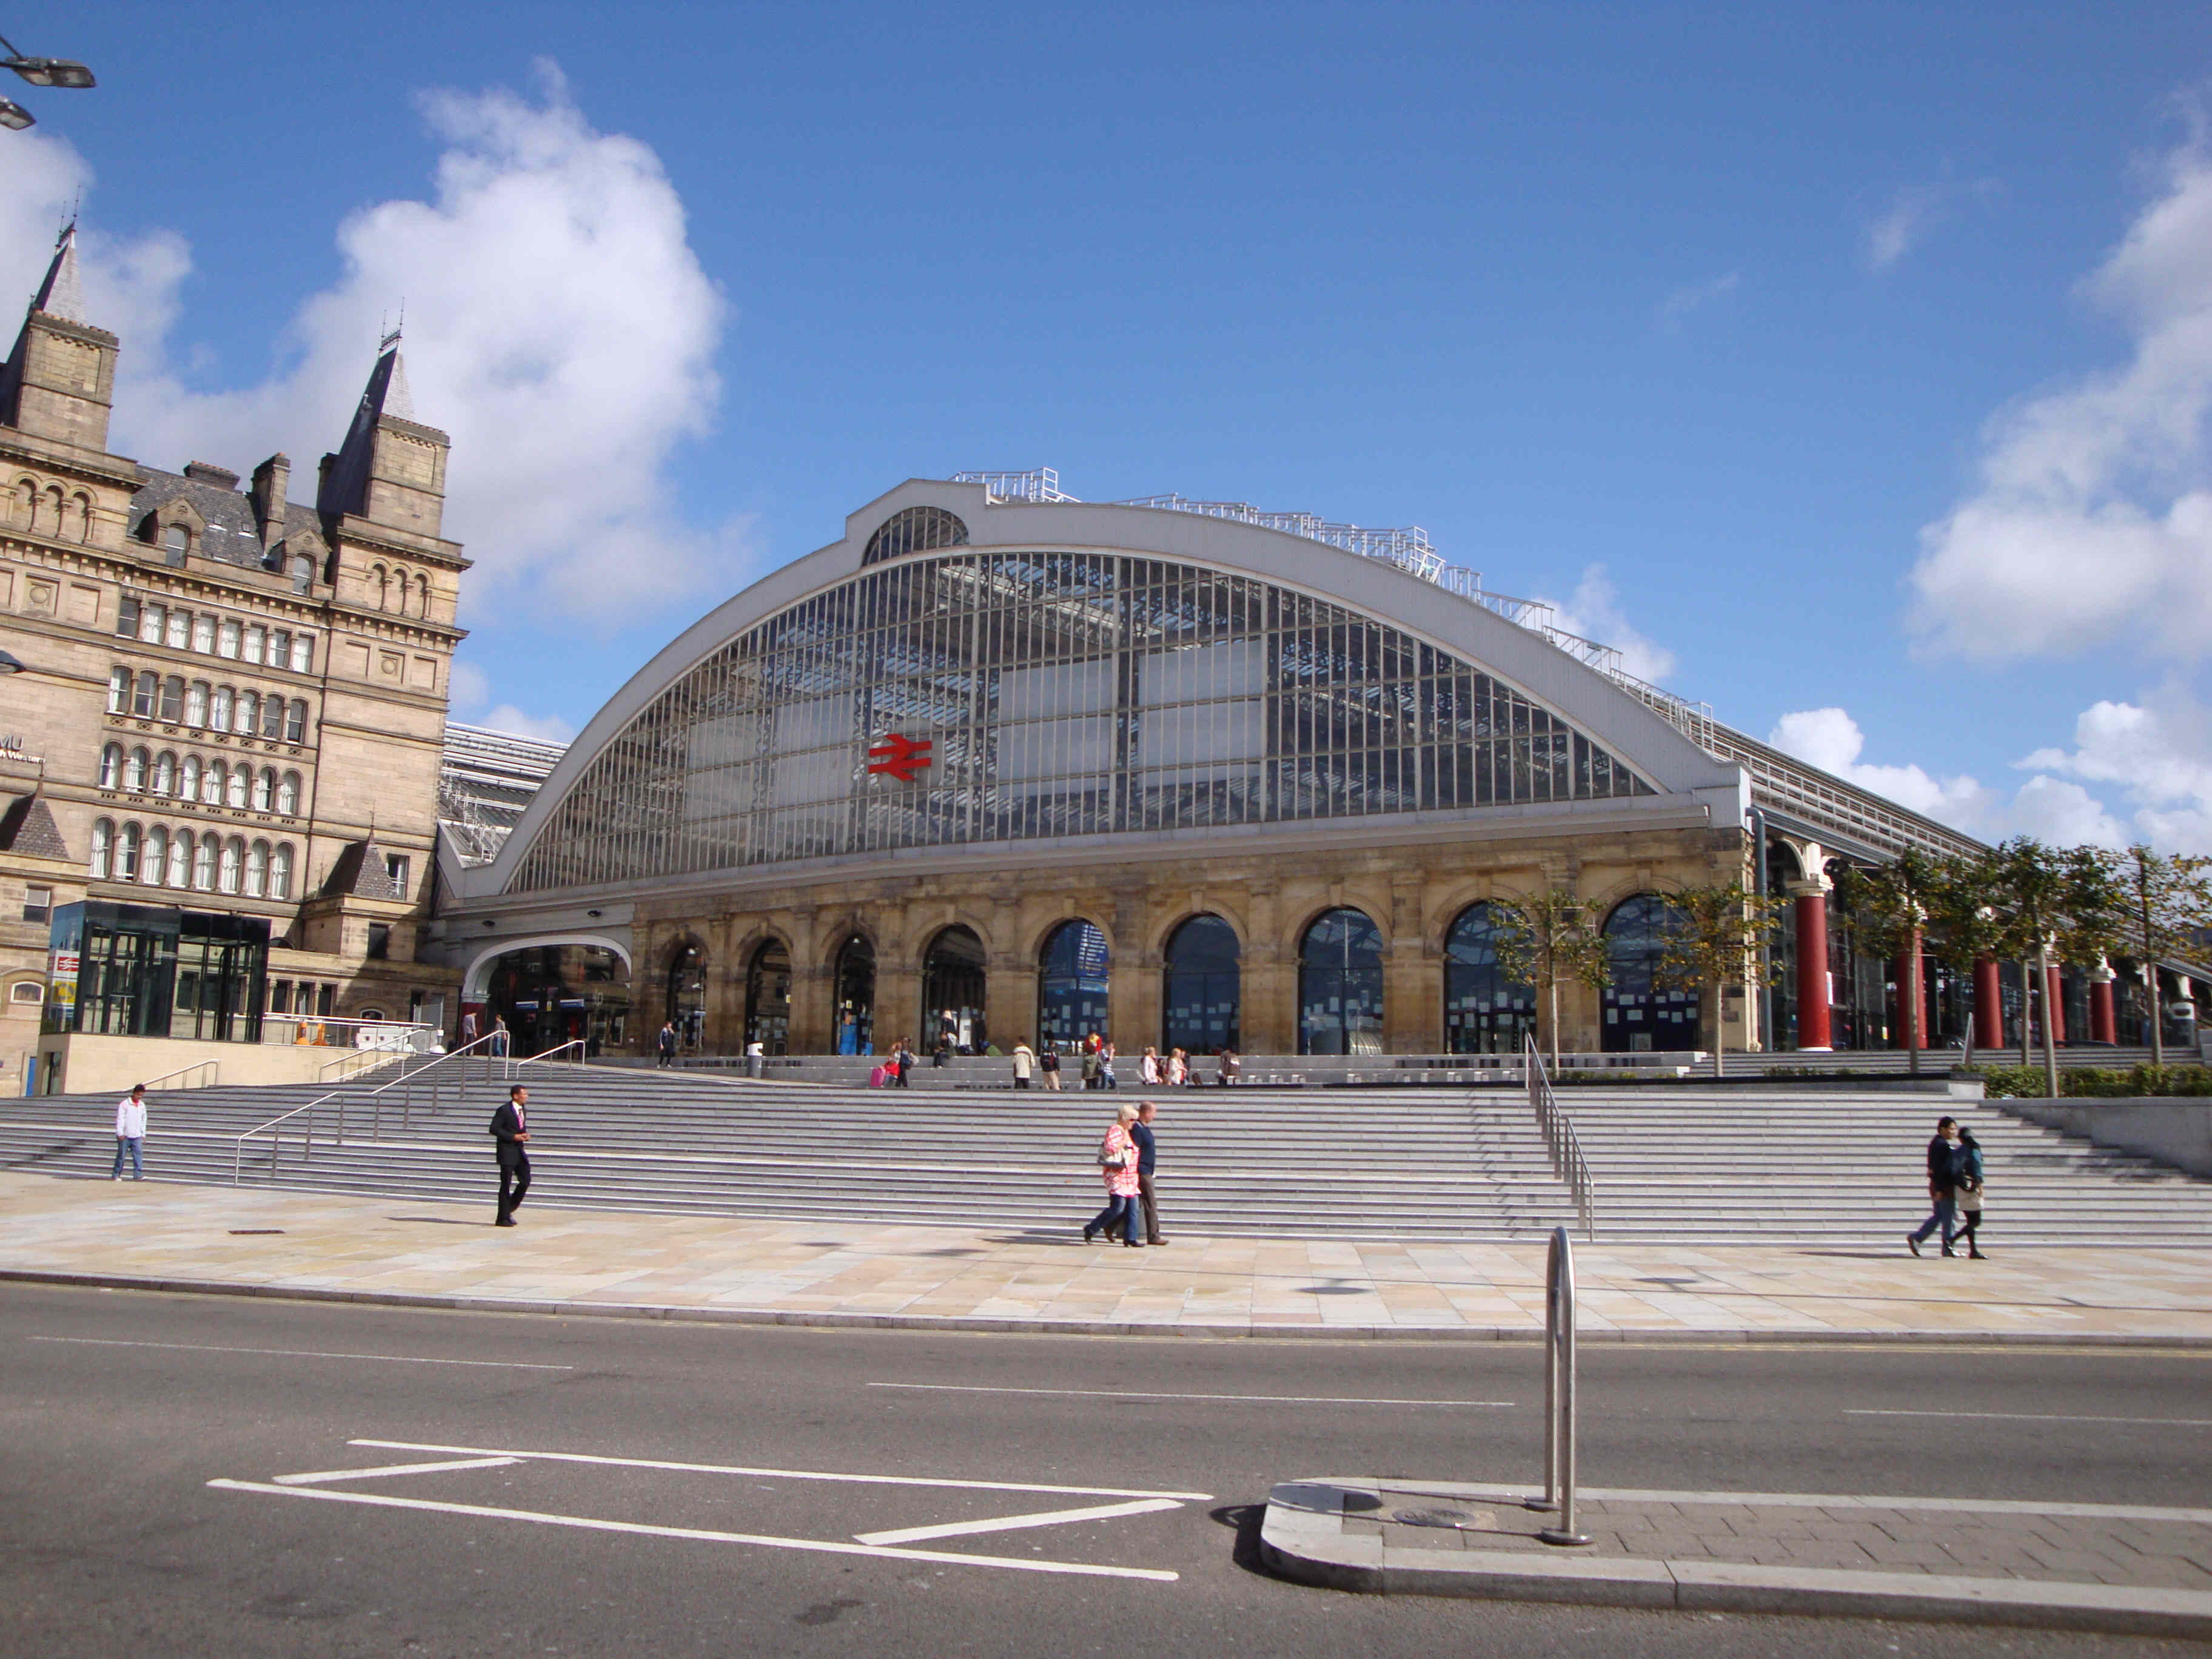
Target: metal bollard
1559,1393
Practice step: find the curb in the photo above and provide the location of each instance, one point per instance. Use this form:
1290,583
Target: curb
1306,1544
676,1313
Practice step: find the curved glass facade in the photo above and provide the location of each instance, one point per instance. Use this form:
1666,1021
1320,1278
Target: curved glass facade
978,697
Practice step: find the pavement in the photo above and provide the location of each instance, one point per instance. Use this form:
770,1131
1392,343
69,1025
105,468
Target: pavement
259,1241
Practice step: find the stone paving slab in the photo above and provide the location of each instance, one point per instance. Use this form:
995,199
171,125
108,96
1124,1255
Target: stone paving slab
2123,1568
259,1240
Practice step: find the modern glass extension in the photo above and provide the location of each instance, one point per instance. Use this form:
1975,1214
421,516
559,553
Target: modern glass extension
1057,695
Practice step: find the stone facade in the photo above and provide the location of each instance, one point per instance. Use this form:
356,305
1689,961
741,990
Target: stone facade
292,657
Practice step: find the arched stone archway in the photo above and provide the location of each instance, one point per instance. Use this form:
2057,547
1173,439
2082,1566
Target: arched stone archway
1202,987
685,1003
1340,984
853,993
1072,979
952,985
1485,1013
1640,1013
767,998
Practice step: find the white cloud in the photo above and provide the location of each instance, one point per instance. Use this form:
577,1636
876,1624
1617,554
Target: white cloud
508,718
131,284
1684,300
1594,613
1831,740
559,327
2159,756
2063,814
2093,519
1893,233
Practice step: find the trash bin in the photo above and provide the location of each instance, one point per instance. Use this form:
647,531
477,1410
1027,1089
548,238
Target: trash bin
752,1064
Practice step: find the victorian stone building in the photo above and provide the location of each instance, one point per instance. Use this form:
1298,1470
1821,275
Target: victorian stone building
224,719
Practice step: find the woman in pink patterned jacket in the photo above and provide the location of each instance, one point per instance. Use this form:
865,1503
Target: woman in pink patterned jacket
1117,1162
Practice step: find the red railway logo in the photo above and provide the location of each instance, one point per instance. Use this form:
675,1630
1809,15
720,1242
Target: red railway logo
901,757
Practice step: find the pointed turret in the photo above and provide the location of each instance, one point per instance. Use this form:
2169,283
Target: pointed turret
390,469
58,381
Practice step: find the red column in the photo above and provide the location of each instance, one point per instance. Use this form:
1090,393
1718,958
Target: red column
1988,1005
2104,1018
1813,967
2056,1002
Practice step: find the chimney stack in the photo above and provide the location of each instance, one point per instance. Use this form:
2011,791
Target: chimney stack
269,479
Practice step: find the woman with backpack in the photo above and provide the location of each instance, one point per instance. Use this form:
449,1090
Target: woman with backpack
1969,1195
1117,1162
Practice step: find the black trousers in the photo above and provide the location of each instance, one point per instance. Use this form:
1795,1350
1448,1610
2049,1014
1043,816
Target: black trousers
514,1182
1150,1206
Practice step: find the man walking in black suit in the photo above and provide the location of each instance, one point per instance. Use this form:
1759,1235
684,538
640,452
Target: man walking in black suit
510,1127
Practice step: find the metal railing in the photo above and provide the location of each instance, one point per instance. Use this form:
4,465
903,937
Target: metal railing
213,1069
1560,1140
329,1032
471,1063
1559,1419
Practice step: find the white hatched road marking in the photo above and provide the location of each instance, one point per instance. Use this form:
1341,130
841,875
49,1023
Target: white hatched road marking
762,1539
325,1475
1141,1393
299,1353
2039,1417
1015,1523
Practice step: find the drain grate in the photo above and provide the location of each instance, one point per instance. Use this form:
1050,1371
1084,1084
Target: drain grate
253,1232
1454,1520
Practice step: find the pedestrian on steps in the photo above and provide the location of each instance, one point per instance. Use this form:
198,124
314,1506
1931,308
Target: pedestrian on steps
1117,1163
510,1127
1970,1191
1025,1058
1943,1153
1049,1063
666,1043
130,1132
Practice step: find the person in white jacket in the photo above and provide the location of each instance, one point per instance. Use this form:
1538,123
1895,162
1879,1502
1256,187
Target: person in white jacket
130,1131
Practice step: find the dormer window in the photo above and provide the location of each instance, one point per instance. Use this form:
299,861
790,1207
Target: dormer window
176,542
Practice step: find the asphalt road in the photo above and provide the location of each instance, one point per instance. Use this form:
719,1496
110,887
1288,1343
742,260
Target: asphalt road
116,1409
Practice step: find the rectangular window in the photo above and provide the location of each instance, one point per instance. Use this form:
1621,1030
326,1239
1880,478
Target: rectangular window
303,653
280,996
280,647
395,865
256,640
379,940
226,640
38,903
203,634
295,723
324,995
126,617
181,629
151,618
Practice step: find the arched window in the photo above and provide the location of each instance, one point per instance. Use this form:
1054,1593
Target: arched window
1341,985
212,783
51,517
257,870
952,992
1072,980
1485,1013
103,847
915,530
119,689
380,580
188,778
203,865
287,794
421,596
233,863
173,700
134,771
855,991
26,501
179,633
196,704
1640,1012
273,715
126,852
180,859
111,766
156,864
280,872
80,518
295,723
687,995
241,780
146,696
219,706
248,714
767,998
264,790
1202,988
165,773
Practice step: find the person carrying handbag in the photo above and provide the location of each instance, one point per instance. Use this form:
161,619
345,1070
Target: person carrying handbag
1969,1195
1117,1163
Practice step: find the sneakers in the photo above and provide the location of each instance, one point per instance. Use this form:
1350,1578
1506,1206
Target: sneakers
1913,1243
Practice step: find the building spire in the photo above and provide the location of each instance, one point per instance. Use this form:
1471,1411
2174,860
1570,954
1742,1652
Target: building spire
346,475
61,294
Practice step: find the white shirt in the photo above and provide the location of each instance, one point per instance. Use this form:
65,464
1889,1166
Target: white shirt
131,1119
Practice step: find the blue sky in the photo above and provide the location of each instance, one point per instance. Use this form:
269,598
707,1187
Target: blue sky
1848,366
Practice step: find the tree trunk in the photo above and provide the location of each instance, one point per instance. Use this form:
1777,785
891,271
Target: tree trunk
1910,985
1720,1034
2050,1040
2027,995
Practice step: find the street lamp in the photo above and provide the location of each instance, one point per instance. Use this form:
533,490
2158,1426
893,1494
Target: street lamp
14,116
46,72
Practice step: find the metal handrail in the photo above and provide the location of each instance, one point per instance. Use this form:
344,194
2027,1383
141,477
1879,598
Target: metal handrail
214,1067
579,1044
340,1095
1561,1141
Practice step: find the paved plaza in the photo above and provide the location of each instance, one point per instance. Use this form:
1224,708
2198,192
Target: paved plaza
812,1272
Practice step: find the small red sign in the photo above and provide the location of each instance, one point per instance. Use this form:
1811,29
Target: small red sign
901,757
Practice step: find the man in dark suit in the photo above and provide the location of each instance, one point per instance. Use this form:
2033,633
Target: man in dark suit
510,1127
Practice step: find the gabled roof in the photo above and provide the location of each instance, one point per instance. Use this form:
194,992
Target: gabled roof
26,827
359,872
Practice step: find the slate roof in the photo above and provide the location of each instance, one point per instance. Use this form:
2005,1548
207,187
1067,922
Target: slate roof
359,872
28,828
232,536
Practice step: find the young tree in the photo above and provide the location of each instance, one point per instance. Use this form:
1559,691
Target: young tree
1714,941
2169,904
1962,931
1890,906
1550,940
2066,900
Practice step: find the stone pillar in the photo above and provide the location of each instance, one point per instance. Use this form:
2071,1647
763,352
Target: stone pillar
2054,1003
1133,975
1812,1028
1268,975
1989,1005
2104,1016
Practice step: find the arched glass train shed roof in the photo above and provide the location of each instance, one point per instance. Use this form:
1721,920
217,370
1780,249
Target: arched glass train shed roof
978,665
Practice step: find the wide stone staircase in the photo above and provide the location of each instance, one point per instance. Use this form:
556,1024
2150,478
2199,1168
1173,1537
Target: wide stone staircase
1676,1164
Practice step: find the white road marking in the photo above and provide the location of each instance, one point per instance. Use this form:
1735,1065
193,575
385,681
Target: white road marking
1014,1523
1140,1393
300,1354
701,1534
395,1468
2039,1416
785,1475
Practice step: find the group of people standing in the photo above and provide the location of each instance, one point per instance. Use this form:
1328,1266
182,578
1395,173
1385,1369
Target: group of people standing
1954,1187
